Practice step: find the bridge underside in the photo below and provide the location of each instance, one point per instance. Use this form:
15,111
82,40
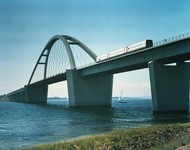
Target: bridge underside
169,87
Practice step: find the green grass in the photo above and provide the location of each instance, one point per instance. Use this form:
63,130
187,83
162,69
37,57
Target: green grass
154,137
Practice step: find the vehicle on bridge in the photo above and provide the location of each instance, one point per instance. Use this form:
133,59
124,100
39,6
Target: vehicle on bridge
127,49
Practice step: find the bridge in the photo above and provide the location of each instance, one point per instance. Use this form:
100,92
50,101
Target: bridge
65,58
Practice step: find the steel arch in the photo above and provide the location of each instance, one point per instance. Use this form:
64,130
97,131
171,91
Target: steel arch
47,49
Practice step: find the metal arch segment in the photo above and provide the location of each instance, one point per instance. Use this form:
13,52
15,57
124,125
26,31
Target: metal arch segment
83,46
48,47
69,52
36,66
67,47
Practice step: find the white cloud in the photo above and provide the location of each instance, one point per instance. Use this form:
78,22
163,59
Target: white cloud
133,89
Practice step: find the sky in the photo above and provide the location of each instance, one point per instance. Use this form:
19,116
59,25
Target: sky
102,25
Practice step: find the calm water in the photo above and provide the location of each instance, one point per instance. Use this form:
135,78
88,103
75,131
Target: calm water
23,125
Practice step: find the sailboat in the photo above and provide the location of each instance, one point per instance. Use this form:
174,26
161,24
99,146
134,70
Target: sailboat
121,98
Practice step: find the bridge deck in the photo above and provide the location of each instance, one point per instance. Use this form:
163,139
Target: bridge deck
168,53
54,79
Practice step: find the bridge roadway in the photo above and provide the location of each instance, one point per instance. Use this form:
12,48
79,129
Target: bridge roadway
169,84
167,53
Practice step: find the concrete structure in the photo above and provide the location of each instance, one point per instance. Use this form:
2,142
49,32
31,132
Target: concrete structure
30,94
92,85
36,94
169,87
18,95
89,91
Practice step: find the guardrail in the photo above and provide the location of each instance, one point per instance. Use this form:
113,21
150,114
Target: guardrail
172,39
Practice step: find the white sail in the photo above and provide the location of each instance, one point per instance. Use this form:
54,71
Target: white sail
121,98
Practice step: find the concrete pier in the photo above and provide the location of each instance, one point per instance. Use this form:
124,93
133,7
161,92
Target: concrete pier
89,91
169,87
36,94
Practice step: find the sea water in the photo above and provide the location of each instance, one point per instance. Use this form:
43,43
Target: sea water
24,125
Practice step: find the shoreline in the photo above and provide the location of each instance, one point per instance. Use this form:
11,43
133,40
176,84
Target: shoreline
171,136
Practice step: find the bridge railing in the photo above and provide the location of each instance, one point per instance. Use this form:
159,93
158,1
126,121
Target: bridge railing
172,39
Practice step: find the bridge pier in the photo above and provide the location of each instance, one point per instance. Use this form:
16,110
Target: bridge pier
36,94
89,91
169,87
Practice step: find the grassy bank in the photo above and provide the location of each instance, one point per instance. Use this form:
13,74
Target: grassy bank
152,137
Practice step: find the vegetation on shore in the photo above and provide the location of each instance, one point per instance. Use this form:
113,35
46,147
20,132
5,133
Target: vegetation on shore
152,137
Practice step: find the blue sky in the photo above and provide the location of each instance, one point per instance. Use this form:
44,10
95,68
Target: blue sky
103,25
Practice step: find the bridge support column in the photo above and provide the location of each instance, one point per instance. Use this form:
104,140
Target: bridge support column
169,87
36,94
89,91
